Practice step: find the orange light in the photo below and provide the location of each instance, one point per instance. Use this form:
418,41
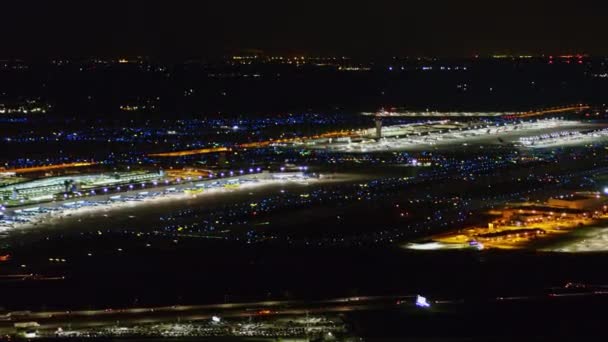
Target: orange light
191,152
257,144
49,167
551,111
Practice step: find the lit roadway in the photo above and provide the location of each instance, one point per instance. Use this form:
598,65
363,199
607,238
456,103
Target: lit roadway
90,318
48,167
551,111
51,320
257,144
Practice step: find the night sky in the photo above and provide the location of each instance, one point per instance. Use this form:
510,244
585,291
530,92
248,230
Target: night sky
187,29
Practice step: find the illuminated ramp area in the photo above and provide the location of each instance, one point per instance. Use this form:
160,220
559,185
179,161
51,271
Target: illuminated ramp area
446,134
46,188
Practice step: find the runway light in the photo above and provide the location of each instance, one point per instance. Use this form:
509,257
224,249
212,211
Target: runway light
606,190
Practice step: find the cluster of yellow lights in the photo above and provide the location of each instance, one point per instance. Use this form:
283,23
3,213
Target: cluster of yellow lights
129,108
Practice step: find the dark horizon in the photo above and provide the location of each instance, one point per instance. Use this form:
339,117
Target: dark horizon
186,30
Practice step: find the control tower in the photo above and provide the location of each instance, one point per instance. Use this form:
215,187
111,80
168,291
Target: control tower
378,121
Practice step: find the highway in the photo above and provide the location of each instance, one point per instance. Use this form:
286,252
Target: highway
48,167
551,111
51,320
139,315
256,144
